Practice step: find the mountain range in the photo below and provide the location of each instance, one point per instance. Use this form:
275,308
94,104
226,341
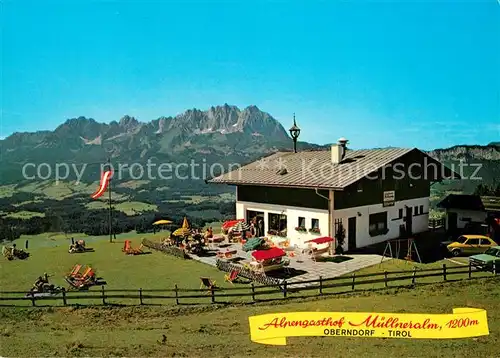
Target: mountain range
223,134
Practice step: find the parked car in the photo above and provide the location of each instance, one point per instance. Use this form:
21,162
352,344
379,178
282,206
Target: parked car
485,261
470,245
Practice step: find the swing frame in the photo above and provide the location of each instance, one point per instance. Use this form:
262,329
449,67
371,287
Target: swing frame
410,245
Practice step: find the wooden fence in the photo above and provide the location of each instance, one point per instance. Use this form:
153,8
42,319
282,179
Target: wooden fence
315,287
249,274
170,250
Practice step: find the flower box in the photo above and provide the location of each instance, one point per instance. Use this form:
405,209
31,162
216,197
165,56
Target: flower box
315,230
301,229
380,232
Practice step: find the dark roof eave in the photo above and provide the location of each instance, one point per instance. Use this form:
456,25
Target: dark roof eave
296,186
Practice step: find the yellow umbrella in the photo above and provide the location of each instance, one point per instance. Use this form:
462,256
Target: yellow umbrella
181,232
185,223
184,230
162,222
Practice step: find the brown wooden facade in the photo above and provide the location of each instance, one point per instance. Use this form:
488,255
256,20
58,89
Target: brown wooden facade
367,191
305,198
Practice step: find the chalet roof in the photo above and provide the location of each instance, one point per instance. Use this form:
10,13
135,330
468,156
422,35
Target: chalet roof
314,169
471,202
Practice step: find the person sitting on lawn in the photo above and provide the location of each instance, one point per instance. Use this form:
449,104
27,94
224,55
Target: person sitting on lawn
13,250
79,245
38,285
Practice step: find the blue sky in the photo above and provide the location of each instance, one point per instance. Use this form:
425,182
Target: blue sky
417,73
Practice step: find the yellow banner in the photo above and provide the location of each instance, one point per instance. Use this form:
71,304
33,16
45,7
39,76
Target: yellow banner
462,323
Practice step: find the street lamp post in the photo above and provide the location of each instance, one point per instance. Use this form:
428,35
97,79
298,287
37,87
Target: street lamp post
294,133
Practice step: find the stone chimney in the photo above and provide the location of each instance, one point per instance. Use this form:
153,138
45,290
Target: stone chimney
339,150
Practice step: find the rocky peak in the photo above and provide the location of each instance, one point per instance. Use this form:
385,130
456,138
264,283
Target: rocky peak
78,127
128,122
489,152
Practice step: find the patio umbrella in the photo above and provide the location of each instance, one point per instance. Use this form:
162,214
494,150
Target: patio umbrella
241,226
184,230
162,222
230,223
253,244
322,240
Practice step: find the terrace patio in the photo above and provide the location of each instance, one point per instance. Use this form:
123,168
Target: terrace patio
301,267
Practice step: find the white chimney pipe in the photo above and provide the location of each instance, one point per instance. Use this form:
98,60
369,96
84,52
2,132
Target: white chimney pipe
339,150
336,153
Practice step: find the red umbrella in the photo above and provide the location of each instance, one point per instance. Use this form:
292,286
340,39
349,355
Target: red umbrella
322,240
272,253
229,224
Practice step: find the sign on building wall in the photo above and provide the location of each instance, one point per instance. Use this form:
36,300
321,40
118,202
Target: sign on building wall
389,198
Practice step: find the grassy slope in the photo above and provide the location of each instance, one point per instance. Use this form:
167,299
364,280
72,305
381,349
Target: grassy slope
128,207
24,214
208,331
155,271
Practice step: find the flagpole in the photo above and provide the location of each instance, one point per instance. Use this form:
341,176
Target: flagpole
110,207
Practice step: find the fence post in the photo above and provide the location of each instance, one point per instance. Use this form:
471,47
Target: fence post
33,299
212,293
470,269
353,280
140,296
414,278
103,295
320,285
284,288
64,296
385,278
253,292
176,289
444,272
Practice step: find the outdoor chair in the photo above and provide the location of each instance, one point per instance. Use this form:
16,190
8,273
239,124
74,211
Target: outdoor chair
75,271
88,272
126,246
207,283
231,277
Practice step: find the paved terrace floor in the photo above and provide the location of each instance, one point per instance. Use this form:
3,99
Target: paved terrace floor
302,264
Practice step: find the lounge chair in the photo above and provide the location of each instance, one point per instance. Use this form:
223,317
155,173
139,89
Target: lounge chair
88,273
126,246
129,250
207,283
231,277
75,271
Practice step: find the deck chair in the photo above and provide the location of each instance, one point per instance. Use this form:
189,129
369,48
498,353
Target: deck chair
88,272
6,252
75,271
231,277
207,283
126,246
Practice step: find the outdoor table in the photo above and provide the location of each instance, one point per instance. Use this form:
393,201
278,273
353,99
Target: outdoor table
226,254
279,241
215,240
